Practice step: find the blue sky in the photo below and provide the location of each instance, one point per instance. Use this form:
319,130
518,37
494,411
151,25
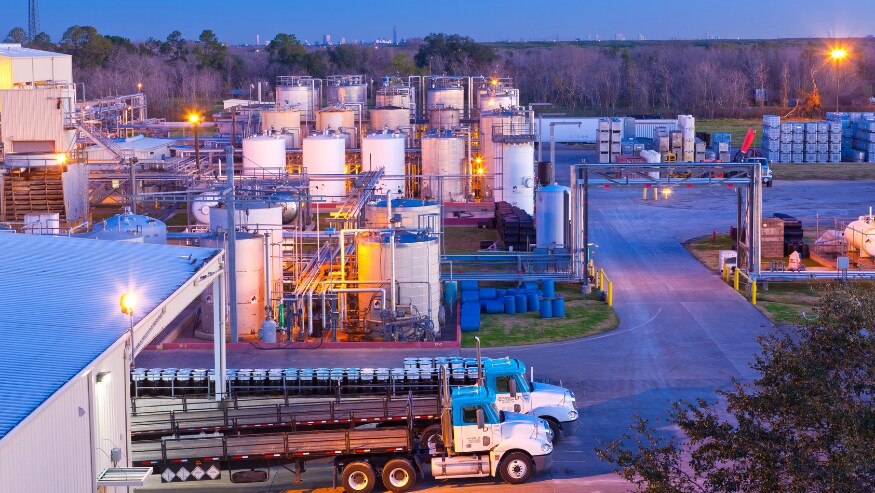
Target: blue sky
239,22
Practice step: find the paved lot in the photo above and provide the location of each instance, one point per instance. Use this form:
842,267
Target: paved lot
682,334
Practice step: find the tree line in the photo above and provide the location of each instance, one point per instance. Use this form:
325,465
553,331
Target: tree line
709,79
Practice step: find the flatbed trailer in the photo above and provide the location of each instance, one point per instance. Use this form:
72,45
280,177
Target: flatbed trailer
270,416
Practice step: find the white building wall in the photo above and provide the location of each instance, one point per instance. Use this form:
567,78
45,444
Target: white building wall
62,445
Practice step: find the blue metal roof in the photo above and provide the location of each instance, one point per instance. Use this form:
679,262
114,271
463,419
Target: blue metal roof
59,307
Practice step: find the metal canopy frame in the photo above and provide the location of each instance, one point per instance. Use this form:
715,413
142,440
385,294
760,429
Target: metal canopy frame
746,178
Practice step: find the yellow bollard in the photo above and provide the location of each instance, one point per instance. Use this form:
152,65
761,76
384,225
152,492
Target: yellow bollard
753,293
610,295
736,278
655,193
601,279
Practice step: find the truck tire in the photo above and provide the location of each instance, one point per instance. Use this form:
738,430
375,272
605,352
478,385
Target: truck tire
399,475
555,428
432,436
517,468
358,477
769,184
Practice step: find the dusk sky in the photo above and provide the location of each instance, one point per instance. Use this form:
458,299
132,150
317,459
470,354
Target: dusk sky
239,22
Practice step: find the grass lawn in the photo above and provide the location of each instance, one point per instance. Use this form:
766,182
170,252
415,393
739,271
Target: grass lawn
466,239
844,171
584,316
738,128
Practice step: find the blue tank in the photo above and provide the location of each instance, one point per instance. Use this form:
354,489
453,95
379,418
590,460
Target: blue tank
509,304
151,229
487,294
547,286
559,307
469,318
532,302
546,308
493,306
520,303
468,286
451,292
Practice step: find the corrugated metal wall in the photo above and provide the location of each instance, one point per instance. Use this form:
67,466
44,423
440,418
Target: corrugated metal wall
646,128
75,181
53,450
33,115
43,68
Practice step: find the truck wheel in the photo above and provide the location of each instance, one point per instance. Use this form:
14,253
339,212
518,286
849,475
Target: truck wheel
358,477
517,468
555,428
769,184
432,439
399,475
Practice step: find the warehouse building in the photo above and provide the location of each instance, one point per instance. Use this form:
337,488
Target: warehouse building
65,352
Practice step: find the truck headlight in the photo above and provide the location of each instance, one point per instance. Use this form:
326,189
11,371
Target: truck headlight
572,414
546,448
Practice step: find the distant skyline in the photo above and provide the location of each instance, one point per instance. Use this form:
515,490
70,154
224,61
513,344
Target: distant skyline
508,20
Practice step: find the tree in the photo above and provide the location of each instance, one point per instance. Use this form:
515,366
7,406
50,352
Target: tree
16,35
806,424
402,64
285,49
42,41
174,48
210,52
454,51
88,47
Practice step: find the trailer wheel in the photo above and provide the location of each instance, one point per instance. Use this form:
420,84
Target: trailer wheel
358,477
517,468
432,439
399,475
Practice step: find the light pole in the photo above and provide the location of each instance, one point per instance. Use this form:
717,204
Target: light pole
837,55
128,301
195,119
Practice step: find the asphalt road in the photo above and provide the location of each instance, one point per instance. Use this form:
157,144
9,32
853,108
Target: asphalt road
683,333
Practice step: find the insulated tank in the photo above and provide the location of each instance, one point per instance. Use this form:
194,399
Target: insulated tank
386,150
283,121
518,175
264,155
493,100
444,118
502,122
414,214
342,89
325,154
391,118
860,235
445,97
337,118
250,283
151,229
417,269
443,154
391,96
551,216
304,97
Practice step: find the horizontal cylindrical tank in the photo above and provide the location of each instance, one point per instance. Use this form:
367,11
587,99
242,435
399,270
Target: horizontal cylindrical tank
151,229
498,122
518,175
390,117
338,118
385,150
250,282
325,154
413,214
200,206
264,155
305,97
443,155
444,118
445,97
551,216
416,266
860,235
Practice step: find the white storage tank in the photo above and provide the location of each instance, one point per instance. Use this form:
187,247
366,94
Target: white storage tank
151,229
417,270
860,236
305,97
443,154
551,216
502,122
386,150
200,206
444,118
285,122
325,154
250,282
391,96
339,119
391,118
518,175
493,100
264,155
414,214
445,97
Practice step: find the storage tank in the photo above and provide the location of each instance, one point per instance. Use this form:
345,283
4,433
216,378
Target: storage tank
551,216
444,118
283,121
394,96
200,206
302,95
493,100
342,89
417,270
264,155
338,118
325,154
250,282
443,154
860,236
502,122
390,117
151,229
445,97
518,175
386,150
414,214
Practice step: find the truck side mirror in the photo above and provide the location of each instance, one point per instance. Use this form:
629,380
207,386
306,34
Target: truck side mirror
511,385
481,419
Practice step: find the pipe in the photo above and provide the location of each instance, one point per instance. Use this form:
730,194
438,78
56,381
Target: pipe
267,307
232,247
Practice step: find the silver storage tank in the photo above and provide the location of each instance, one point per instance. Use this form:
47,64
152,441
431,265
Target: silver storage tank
444,118
339,119
285,122
443,154
551,216
445,97
151,229
389,117
343,89
414,214
301,94
501,122
250,283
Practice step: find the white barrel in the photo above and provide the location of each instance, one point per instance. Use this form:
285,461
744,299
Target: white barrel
264,155
443,155
386,150
325,154
860,235
389,118
518,175
551,216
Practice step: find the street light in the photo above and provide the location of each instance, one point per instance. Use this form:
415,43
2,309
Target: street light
128,302
837,55
139,86
195,119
